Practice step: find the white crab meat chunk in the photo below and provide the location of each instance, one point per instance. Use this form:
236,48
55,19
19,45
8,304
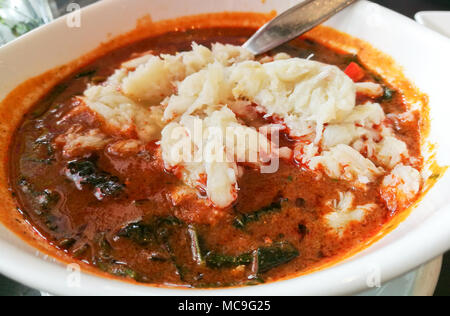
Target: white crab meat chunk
345,163
370,89
153,78
391,151
206,151
75,141
400,187
122,114
346,212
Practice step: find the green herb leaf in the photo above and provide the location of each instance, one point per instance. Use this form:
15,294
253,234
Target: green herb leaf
275,255
219,261
85,172
267,258
196,250
243,220
139,233
45,200
119,270
149,232
388,94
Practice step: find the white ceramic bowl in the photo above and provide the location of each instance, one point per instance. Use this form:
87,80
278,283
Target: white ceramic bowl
438,21
424,235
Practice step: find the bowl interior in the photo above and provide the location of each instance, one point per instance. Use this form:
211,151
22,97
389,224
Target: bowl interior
423,54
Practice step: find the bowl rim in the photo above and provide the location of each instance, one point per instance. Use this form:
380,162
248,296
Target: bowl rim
343,278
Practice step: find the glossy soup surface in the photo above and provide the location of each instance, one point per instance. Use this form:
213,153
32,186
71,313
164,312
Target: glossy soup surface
274,230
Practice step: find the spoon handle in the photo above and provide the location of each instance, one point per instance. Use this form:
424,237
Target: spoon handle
294,22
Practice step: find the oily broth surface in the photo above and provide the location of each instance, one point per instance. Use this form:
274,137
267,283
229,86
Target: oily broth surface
80,218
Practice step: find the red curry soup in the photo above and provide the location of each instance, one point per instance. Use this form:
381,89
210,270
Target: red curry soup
182,159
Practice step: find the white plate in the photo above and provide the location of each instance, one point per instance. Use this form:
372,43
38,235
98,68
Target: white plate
424,55
438,21
420,282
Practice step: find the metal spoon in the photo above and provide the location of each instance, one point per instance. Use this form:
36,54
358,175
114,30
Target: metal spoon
293,23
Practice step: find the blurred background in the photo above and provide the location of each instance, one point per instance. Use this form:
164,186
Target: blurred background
17,17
